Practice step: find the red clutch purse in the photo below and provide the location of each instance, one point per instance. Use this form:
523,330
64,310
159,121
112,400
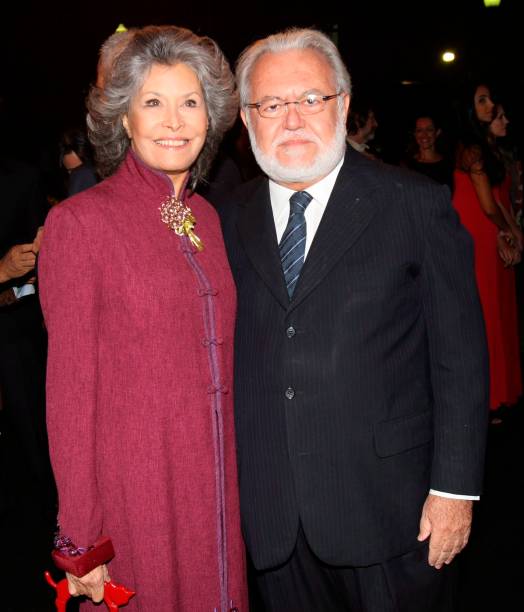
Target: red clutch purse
79,565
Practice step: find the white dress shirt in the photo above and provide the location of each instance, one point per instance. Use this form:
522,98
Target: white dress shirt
320,192
27,289
361,147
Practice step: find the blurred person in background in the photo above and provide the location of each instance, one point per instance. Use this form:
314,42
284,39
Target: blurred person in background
424,156
27,492
479,178
498,133
510,156
76,157
362,125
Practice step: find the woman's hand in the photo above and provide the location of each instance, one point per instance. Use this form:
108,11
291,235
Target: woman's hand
91,585
514,233
517,236
507,250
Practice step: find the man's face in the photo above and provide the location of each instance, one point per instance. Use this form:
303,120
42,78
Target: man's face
370,127
293,149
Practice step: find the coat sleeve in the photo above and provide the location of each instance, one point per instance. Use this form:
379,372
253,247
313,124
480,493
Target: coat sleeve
69,282
458,353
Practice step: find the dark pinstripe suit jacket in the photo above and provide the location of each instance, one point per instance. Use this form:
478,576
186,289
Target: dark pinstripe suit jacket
370,386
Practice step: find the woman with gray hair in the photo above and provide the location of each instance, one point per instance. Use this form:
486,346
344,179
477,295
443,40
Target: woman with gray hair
140,303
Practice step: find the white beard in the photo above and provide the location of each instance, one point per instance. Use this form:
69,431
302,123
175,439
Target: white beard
328,157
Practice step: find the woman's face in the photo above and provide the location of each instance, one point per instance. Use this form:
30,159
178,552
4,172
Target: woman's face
167,121
425,133
483,104
498,127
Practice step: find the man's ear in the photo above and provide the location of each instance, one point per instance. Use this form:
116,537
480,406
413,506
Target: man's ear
347,103
243,116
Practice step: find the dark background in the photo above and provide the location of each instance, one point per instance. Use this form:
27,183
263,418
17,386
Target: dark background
48,57
49,53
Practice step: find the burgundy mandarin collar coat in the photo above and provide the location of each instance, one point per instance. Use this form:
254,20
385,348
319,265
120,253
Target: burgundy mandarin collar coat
139,391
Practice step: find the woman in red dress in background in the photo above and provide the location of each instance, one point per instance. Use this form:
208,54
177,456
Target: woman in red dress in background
140,305
507,289
478,178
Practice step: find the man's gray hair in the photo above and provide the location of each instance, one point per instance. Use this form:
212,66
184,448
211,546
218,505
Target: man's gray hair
108,102
291,39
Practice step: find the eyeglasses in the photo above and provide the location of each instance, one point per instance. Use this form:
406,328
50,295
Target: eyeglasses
310,104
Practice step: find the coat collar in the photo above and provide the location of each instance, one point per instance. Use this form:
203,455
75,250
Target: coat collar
350,209
146,179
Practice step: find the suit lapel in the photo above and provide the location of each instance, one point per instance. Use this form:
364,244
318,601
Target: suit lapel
349,211
257,232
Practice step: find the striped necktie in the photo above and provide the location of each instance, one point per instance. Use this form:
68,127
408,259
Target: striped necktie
293,242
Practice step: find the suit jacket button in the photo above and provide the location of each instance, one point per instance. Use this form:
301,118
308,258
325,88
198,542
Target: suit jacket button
290,331
290,393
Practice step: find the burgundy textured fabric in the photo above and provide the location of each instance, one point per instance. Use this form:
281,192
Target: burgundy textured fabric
139,391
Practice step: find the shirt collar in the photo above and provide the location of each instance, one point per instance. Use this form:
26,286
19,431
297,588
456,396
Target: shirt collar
361,147
320,192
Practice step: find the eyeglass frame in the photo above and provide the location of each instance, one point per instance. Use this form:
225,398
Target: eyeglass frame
285,104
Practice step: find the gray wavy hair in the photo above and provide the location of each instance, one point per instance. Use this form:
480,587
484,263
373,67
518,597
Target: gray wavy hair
289,40
109,101
109,52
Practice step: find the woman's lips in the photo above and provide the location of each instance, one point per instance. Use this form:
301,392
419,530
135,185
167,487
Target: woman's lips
172,143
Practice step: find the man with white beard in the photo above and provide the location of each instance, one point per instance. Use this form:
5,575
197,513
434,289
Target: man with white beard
360,360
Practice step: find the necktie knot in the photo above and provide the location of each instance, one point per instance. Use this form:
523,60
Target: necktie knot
299,201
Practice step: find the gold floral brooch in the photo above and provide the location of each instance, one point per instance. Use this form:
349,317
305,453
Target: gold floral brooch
179,217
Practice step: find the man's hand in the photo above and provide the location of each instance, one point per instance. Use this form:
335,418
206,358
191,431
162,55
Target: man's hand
19,260
91,585
447,523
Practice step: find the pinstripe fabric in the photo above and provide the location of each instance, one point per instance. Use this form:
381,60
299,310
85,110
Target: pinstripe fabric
382,354
293,242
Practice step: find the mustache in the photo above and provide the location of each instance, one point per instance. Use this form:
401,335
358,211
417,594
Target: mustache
296,134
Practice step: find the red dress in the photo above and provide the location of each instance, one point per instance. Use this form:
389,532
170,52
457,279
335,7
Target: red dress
508,305
496,286
140,413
